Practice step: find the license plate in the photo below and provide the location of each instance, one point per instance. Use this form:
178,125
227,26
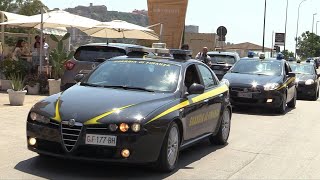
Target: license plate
102,140
245,95
219,72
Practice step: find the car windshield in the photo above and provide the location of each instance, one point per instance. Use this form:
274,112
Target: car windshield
302,69
136,74
222,59
258,67
93,53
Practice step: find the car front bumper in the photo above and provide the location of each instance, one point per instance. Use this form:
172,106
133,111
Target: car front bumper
144,147
306,90
268,99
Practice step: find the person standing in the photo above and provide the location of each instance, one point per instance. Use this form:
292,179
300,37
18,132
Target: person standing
204,57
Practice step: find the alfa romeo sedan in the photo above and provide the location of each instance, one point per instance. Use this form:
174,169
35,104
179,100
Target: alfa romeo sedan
267,83
133,110
307,79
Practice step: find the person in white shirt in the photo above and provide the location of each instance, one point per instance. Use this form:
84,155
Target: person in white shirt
204,57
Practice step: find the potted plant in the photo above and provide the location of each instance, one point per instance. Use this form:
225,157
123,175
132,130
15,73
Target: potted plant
17,93
32,84
57,58
8,67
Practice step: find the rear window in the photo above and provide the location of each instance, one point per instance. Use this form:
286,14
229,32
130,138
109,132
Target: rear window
92,53
222,59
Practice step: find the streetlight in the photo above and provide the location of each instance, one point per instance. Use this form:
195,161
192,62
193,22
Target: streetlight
317,27
295,54
264,24
313,21
285,29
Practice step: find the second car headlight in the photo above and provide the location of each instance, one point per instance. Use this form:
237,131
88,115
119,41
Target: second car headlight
271,86
309,82
37,117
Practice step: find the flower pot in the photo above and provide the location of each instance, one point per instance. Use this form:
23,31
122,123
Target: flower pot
54,86
16,98
5,85
33,90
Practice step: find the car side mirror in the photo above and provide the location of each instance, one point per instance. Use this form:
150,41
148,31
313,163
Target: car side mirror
291,74
196,89
78,77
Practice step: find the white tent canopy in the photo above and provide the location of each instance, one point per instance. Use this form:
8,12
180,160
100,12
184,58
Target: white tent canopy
53,19
11,16
121,29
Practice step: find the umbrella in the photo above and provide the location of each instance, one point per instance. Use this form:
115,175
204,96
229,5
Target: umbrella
53,19
121,29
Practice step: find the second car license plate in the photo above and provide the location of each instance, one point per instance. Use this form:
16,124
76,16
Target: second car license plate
245,95
103,140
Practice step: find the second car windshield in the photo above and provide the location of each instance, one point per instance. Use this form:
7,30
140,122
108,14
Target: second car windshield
302,68
222,59
135,74
258,67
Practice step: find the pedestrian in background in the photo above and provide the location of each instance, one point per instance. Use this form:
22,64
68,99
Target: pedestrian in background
204,57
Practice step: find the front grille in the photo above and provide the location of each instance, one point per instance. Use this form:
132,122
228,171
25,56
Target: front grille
70,134
242,89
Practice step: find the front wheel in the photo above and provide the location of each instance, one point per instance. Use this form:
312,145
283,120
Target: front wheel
315,97
169,154
282,108
224,130
293,102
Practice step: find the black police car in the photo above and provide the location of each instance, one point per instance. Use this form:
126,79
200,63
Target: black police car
307,79
133,110
262,82
222,62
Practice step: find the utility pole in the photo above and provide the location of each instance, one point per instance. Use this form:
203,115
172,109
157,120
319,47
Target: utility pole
264,24
285,29
313,21
295,54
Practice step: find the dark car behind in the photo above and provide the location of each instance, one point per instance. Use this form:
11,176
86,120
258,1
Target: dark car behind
222,62
88,57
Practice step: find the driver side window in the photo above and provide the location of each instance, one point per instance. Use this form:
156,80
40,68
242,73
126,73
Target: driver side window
207,77
191,76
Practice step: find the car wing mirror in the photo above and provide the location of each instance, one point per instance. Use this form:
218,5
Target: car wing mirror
196,89
291,74
78,77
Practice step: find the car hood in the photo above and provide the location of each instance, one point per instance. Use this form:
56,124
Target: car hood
304,77
236,79
92,105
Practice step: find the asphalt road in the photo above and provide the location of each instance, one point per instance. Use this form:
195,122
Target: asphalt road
262,145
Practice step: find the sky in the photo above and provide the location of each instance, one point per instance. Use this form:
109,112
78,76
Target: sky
242,18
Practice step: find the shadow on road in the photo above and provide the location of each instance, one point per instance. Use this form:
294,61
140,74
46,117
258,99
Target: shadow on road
259,111
53,168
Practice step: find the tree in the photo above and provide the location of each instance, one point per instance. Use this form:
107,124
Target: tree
287,54
309,45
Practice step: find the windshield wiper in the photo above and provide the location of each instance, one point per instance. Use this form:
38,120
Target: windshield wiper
129,87
99,60
88,84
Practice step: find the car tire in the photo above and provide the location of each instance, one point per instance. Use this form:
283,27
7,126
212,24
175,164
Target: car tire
282,108
293,102
315,97
224,130
171,144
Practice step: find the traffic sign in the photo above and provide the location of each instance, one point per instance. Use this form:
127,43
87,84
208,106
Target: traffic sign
222,32
279,39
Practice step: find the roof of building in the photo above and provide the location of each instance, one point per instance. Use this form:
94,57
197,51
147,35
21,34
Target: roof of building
246,46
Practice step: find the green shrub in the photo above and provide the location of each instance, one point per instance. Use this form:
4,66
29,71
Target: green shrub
10,67
17,82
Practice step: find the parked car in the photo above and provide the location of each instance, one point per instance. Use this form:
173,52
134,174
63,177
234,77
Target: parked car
133,110
222,62
265,83
307,79
88,57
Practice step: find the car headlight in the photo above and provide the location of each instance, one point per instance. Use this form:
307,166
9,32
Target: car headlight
226,82
271,86
309,82
37,117
124,127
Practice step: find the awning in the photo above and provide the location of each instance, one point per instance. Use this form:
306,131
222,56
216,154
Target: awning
11,16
